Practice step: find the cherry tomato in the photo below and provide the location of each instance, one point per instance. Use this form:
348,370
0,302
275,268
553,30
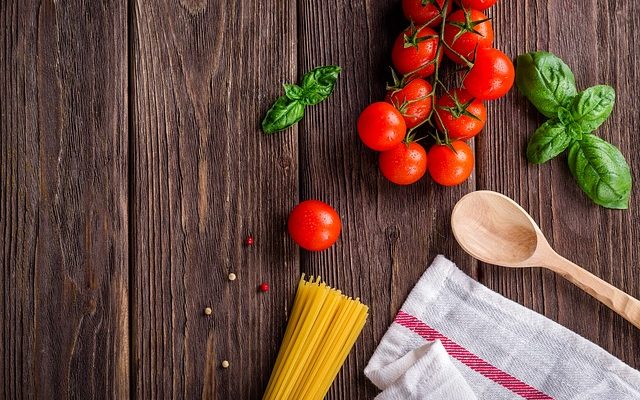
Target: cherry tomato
422,11
381,126
491,76
465,31
404,164
477,4
413,101
414,52
460,114
314,225
448,167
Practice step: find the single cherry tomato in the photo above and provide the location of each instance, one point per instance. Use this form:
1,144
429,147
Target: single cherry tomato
414,52
460,114
422,11
448,167
477,4
314,225
404,164
465,31
491,76
413,101
381,126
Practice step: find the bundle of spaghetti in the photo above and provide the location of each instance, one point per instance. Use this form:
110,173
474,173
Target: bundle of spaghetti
323,327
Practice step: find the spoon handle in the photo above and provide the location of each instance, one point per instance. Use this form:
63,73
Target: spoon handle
614,298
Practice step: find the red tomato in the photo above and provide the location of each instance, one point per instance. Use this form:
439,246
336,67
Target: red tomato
413,101
381,126
477,4
423,11
448,167
414,52
460,114
491,76
404,164
465,30
314,225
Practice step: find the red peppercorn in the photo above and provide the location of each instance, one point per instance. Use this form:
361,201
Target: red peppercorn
249,240
264,287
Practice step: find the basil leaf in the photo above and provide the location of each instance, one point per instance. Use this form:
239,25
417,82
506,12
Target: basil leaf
566,118
294,92
548,141
546,81
318,84
601,171
592,107
284,113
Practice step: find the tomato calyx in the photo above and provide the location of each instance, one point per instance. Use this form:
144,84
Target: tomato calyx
398,83
464,59
459,109
468,26
412,39
449,144
411,136
402,107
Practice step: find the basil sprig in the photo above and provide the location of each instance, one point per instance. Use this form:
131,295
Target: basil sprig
316,86
598,167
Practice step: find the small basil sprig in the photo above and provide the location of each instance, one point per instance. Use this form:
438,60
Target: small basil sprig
598,167
316,86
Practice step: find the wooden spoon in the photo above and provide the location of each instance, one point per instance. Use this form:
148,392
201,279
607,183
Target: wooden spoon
495,229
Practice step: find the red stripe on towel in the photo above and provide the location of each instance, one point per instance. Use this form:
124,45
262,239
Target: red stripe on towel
471,360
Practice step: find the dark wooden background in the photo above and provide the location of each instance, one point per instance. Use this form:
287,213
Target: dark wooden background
132,167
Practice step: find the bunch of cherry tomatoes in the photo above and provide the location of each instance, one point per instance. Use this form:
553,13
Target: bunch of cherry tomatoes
465,36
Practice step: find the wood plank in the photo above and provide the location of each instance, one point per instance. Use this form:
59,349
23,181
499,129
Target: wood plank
390,233
63,201
593,38
204,178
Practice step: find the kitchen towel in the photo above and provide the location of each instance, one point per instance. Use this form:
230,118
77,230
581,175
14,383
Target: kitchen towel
454,338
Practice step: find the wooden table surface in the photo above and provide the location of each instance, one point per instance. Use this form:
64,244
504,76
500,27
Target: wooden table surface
133,167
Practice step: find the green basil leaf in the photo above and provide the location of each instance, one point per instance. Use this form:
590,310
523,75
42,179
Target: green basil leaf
601,171
571,128
565,116
284,113
546,81
294,92
592,107
548,141
318,84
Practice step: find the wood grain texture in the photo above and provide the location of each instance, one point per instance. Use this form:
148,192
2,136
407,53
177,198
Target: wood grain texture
593,39
63,202
205,178
132,169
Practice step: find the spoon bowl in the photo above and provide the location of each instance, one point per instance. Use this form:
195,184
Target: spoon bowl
495,229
